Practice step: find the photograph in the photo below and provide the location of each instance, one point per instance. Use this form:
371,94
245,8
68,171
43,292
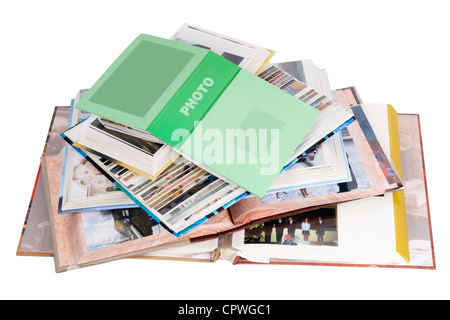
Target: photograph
388,169
111,227
294,68
318,227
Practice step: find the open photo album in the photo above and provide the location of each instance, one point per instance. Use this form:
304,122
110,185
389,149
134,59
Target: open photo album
392,230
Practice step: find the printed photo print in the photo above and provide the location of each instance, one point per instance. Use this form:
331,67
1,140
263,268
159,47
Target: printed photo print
317,227
111,227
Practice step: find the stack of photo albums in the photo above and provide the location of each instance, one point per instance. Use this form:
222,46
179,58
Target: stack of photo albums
350,188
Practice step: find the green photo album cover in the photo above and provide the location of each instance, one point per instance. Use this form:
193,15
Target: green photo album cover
222,117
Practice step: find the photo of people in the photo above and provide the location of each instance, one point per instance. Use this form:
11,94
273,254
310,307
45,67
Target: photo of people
89,178
317,227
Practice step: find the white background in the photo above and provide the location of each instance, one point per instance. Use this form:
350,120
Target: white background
394,52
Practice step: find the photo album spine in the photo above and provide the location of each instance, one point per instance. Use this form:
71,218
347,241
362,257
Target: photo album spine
193,100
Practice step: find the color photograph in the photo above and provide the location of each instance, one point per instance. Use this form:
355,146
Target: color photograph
317,227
